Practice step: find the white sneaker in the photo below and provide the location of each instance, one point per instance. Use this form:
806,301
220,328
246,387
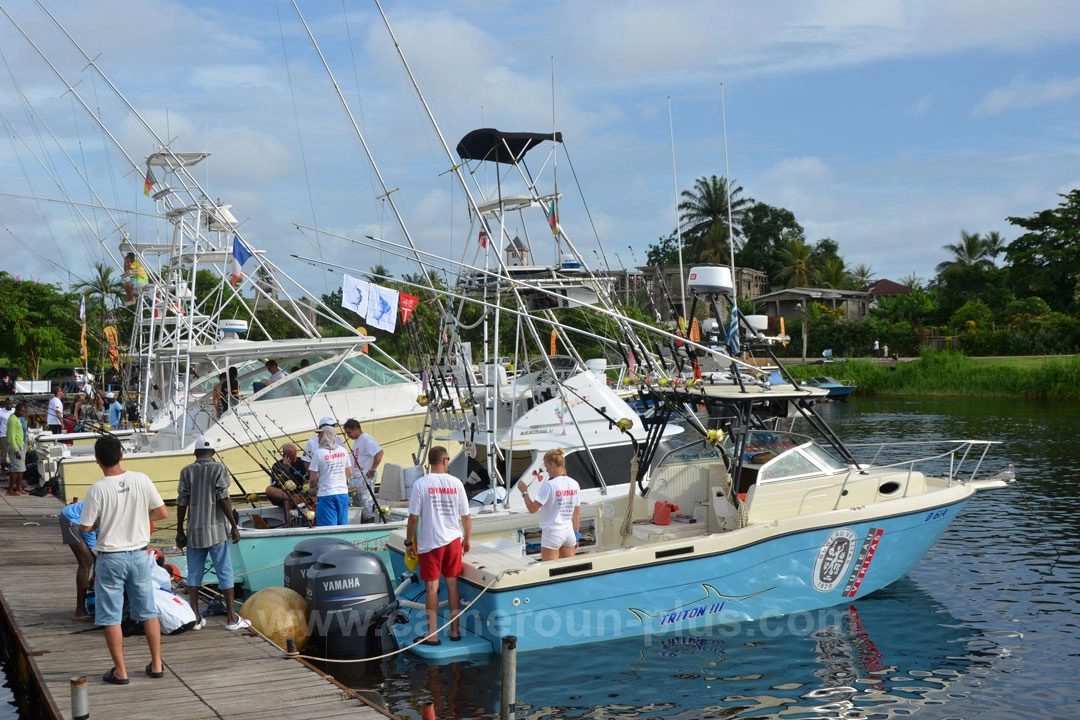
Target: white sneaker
199,624
240,624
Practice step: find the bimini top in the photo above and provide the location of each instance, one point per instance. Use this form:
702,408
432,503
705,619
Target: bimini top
498,146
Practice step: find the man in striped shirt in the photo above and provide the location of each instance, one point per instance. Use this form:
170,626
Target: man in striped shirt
203,494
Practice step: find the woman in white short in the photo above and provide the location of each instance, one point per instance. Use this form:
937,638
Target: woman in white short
560,510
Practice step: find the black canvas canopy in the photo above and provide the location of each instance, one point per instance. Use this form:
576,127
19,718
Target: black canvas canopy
498,146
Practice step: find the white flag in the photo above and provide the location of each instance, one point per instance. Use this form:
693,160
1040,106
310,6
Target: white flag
354,295
382,307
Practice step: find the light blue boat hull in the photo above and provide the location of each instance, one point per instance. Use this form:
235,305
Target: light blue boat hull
772,581
258,561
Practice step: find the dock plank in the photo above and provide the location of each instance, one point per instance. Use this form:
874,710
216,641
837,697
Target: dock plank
211,673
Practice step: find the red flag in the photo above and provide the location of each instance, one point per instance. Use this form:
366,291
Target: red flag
483,239
408,304
148,185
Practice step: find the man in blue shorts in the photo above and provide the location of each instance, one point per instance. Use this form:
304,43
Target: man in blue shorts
203,495
121,506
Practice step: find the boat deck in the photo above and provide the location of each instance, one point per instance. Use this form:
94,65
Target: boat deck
211,673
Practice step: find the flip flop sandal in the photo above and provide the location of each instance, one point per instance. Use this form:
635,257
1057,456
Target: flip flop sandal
150,671
110,677
428,641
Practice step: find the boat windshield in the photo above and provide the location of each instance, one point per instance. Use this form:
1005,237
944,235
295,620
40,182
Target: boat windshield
784,456
700,451
356,372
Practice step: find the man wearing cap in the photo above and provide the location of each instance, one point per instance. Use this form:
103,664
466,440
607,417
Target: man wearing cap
313,442
331,468
204,488
116,410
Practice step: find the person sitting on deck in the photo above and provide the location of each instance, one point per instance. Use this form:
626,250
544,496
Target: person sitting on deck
284,471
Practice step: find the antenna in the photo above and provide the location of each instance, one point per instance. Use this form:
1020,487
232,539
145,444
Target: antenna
678,230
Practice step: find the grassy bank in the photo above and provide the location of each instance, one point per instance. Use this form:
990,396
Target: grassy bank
948,373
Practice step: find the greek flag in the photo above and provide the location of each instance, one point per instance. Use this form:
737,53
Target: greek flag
732,338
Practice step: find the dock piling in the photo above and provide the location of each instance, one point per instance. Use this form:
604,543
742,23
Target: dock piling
509,678
80,698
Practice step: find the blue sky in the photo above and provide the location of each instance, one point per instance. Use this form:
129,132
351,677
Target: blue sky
887,126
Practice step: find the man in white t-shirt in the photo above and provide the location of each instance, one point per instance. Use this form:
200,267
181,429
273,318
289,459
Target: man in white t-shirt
329,473
54,415
439,498
276,373
313,442
121,506
367,456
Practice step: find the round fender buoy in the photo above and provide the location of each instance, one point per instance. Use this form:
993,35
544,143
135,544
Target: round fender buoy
280,614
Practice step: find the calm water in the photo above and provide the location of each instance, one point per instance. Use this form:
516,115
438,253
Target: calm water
986,626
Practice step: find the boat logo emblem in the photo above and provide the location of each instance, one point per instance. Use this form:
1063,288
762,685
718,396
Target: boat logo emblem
833,559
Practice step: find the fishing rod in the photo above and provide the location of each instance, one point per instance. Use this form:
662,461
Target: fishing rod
625,322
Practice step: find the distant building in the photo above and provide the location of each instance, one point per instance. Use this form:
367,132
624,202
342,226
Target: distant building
790,302
886,288
665,285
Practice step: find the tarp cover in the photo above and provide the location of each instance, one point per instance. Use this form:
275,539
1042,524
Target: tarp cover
498,146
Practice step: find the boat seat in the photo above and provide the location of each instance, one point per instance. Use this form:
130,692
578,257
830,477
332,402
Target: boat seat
392,485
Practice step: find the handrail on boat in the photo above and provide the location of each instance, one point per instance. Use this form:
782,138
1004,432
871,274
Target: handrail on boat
955,468
964,447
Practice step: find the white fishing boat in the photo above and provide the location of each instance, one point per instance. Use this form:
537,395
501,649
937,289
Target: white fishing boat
207,302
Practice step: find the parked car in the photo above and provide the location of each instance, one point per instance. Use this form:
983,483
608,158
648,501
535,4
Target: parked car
8,376
72,379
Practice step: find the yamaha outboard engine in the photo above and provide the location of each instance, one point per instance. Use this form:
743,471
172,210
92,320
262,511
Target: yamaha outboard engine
304,555
351,604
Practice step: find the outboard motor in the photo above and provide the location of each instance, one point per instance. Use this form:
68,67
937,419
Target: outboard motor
304,555
351,604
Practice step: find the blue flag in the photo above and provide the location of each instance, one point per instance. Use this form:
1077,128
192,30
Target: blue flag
240,255
732,339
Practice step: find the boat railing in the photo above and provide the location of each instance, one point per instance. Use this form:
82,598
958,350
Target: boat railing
960,456
962,452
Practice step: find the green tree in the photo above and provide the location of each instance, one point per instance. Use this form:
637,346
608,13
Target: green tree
765,229
971,251
835,275
703,215
994,244
104,289
41,321
862,275
797,269
1045,260
666,252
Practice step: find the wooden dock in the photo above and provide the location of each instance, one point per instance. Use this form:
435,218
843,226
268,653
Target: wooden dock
211,673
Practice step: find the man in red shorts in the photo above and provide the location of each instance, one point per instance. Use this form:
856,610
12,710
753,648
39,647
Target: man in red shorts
440,499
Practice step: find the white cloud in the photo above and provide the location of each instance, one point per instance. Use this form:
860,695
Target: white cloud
1023,93
921,106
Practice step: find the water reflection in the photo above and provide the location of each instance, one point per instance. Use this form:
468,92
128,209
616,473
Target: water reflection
891,652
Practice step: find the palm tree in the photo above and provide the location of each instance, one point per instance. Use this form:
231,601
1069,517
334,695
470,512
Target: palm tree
703,215
835,275
797,271
378,274
971,251
994,244
912,281
862,275
104,284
